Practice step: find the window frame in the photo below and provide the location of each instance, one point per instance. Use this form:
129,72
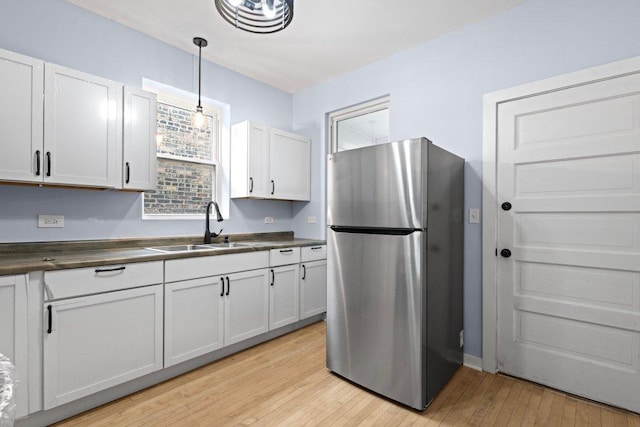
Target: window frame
378,104
210,110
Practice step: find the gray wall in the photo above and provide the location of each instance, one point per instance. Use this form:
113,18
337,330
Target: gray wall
436,91
59,32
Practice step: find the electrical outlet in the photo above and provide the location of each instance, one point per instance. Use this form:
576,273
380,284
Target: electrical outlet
474,216
311,219
462,338
50,221
268,220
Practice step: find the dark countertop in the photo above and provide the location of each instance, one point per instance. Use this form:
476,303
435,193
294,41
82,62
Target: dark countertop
22,258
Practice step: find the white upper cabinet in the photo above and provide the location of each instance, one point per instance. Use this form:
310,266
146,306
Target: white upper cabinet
139,140
81,128
63,127
21,109
268,163
289,165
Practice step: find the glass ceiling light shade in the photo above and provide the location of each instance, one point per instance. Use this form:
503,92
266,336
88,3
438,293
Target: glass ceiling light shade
199,117
257,16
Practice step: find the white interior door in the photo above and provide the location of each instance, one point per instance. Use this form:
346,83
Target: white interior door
569,294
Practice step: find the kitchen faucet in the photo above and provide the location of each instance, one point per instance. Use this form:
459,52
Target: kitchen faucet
207,232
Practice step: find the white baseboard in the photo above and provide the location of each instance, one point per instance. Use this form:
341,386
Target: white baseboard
472,362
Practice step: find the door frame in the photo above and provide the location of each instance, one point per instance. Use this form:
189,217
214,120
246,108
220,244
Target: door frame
491,101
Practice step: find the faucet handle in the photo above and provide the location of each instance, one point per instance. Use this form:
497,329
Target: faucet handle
214,234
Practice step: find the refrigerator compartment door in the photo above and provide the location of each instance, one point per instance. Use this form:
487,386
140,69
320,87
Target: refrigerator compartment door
375,305
379,186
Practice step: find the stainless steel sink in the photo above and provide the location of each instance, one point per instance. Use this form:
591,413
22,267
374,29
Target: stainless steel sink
183,248
229,245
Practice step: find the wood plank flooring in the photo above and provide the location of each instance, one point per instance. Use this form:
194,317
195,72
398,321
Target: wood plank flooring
285,382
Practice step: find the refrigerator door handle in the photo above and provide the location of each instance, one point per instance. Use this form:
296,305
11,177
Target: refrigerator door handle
370,230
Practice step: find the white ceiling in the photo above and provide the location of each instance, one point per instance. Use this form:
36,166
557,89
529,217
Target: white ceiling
325,39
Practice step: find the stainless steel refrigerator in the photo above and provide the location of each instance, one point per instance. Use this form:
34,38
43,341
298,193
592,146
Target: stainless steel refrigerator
395,248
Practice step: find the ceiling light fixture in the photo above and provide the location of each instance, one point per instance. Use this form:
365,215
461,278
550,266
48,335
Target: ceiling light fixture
257,16
199,117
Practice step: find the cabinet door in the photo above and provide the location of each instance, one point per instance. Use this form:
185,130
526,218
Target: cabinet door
313,288
96,342
246,311
283,296
13,335
290,166
21,109
258,158
81,119
139,140
193,318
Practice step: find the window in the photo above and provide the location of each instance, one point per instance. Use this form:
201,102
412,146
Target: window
360,126
188,160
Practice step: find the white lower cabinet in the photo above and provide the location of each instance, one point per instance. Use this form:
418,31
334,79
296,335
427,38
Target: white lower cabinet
194,318
246,310
13,335
207,309
95,342
313,288
313,281
283,296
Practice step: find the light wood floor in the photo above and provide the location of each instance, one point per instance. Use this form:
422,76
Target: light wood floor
285,382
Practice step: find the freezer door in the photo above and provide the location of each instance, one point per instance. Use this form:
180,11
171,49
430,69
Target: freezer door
375,323
378,186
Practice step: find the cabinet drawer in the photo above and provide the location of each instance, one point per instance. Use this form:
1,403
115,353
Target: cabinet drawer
193,268
284,256
93,280
314,253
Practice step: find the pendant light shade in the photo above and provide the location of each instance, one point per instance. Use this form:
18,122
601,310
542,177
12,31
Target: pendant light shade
198,120
257,16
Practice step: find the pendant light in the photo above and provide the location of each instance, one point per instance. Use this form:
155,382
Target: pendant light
257,16
199,118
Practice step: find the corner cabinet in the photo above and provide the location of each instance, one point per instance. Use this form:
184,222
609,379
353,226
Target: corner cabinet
268,163
81,125
13,335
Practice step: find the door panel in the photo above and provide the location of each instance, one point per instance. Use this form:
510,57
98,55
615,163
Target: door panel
290,165
80,128
569,295
194,321
246,312
379,186
258,160
21,116
284,304
375,301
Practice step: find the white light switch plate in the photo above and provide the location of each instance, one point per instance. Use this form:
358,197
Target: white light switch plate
474,216
268,220
50,221
311,219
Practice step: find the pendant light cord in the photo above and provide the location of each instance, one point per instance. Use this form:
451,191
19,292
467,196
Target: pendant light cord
199,72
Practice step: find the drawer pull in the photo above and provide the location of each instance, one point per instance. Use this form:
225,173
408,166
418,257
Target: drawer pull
304,271
49,318
286,251
106,270
316,248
